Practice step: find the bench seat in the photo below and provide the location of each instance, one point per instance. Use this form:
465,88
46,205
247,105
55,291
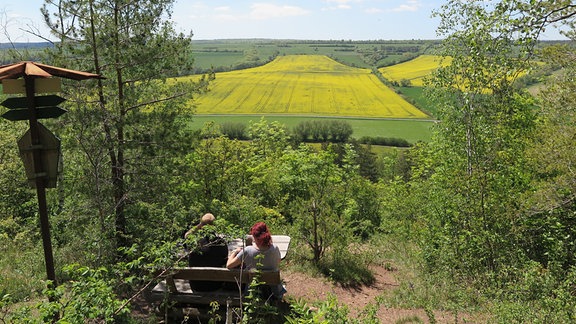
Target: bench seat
176,287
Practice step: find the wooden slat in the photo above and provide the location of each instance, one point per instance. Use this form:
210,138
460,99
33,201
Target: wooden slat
186,296
171,285
224,275
18,86
282,241
206,299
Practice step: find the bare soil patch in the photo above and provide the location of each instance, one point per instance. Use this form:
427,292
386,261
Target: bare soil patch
303,286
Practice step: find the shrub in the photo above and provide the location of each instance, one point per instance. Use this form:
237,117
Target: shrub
346,268
87,297
336,131
234,130
384,141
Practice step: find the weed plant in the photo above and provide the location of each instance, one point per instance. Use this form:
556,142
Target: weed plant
21,269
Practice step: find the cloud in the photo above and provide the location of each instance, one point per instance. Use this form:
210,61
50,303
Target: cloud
197,6
373,10
410,5
339,4
263,11
227,17
14,16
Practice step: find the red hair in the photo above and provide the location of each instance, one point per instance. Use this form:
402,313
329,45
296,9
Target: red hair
261,234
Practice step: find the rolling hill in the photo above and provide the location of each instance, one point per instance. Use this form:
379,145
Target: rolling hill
414,70
312,85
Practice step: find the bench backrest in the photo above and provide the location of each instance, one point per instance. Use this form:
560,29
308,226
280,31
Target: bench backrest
269,277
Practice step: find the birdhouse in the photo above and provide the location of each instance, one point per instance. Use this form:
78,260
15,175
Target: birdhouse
50,154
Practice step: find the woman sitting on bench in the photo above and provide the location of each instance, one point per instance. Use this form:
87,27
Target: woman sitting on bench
248,257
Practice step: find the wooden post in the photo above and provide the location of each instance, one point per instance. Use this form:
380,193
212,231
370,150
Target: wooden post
39,179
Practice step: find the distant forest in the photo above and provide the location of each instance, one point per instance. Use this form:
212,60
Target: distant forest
25,45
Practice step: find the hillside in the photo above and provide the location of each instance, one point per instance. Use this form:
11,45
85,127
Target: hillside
304,85
414,70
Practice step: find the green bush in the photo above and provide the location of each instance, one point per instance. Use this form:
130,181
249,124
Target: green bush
88,296
330,311
234,130
384,141
335,131
346,268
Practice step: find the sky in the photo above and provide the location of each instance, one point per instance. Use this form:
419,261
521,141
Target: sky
276,19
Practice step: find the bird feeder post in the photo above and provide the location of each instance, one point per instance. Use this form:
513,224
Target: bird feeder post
38,147
39,179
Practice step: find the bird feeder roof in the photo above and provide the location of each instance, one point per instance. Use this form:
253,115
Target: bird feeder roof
34,69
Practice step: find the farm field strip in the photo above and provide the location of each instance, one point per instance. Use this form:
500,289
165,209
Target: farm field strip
304,84
414,70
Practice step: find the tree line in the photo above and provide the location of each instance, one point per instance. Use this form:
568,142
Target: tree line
317,131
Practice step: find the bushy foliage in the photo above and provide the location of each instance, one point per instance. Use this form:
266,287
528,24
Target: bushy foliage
22,269
335,131
88,295
330,311
257,306
348,267
234,130
492,222
385,141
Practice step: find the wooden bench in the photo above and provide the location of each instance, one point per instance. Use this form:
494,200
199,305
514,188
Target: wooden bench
281,241
176,288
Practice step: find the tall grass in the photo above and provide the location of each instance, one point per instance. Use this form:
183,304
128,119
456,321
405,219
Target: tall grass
420,289
21,269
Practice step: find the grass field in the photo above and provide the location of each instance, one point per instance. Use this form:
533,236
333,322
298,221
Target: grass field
304,85
213,59
416,95
411,130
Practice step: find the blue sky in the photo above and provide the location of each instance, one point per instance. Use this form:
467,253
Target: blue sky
300,19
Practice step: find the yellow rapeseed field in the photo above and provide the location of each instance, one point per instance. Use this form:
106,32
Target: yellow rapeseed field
304,84
414,70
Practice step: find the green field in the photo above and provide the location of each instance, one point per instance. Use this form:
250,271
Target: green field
411,130
224,55
212,59
417,97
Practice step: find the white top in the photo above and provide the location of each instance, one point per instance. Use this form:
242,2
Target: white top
270,261
281,241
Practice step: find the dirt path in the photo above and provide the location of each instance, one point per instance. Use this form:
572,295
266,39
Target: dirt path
300,285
